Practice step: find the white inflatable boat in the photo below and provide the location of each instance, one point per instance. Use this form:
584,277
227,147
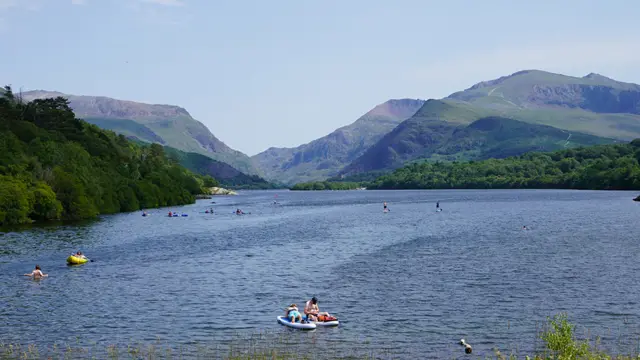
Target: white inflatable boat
303,326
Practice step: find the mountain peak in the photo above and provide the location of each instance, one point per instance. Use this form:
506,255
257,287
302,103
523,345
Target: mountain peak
396,108
595,76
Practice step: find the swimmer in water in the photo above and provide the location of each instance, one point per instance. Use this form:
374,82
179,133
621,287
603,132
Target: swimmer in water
37,273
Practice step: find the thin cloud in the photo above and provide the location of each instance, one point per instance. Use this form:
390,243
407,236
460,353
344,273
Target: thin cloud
7,4
165,2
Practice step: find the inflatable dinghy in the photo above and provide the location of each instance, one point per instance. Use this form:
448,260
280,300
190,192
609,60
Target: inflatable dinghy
302,326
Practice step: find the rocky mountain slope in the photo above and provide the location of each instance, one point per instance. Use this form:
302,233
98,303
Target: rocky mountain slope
325,156
591,105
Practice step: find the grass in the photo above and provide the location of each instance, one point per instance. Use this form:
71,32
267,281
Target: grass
258,346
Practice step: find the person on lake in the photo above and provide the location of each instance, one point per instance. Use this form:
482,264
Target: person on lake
385,206
312,311
437,204
239,212
293,314
37,273
525,227
80,255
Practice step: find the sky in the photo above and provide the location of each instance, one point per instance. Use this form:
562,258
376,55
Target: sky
284,72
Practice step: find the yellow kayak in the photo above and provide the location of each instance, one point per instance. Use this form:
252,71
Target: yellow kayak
74,260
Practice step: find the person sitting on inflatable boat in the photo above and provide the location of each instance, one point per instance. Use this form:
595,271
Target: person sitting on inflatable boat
79,255
312,311
292,313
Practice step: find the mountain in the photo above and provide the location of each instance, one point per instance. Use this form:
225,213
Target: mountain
592,104
489,137
227,175
164,124
325,156
580,106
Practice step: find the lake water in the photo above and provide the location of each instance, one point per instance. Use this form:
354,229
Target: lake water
410,283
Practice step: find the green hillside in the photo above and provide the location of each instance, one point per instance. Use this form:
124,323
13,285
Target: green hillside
226,174
55,166
601,167
164,124
490,137
593,104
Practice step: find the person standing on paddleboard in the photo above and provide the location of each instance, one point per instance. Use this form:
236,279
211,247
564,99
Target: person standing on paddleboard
385,206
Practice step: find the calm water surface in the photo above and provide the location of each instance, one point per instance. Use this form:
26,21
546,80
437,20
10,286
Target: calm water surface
411,281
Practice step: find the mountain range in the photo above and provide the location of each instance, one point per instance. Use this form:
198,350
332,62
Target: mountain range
525,111
529,110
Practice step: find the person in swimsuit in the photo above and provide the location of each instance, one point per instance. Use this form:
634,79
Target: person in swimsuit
79,255
312,311
292,313
37,273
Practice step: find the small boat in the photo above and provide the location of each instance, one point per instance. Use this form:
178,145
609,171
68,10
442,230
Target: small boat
74,260
302,326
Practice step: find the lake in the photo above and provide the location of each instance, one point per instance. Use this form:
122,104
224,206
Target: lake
409,283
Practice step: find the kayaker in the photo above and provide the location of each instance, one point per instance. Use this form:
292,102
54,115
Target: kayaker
292,313
312,310
37,273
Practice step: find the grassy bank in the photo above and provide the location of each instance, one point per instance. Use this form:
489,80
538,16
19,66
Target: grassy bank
557,336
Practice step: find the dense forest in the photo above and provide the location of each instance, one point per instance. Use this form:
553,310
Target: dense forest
600,167
326,185
55,166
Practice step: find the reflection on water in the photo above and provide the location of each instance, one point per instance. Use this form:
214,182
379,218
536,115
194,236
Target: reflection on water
412,281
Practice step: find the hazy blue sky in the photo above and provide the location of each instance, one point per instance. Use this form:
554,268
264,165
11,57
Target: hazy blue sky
284,72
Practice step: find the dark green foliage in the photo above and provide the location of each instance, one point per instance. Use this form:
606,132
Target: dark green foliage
326,185
601,167
54,166
226,174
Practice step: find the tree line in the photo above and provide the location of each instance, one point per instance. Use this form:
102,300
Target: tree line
55,166
600,167
326,185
